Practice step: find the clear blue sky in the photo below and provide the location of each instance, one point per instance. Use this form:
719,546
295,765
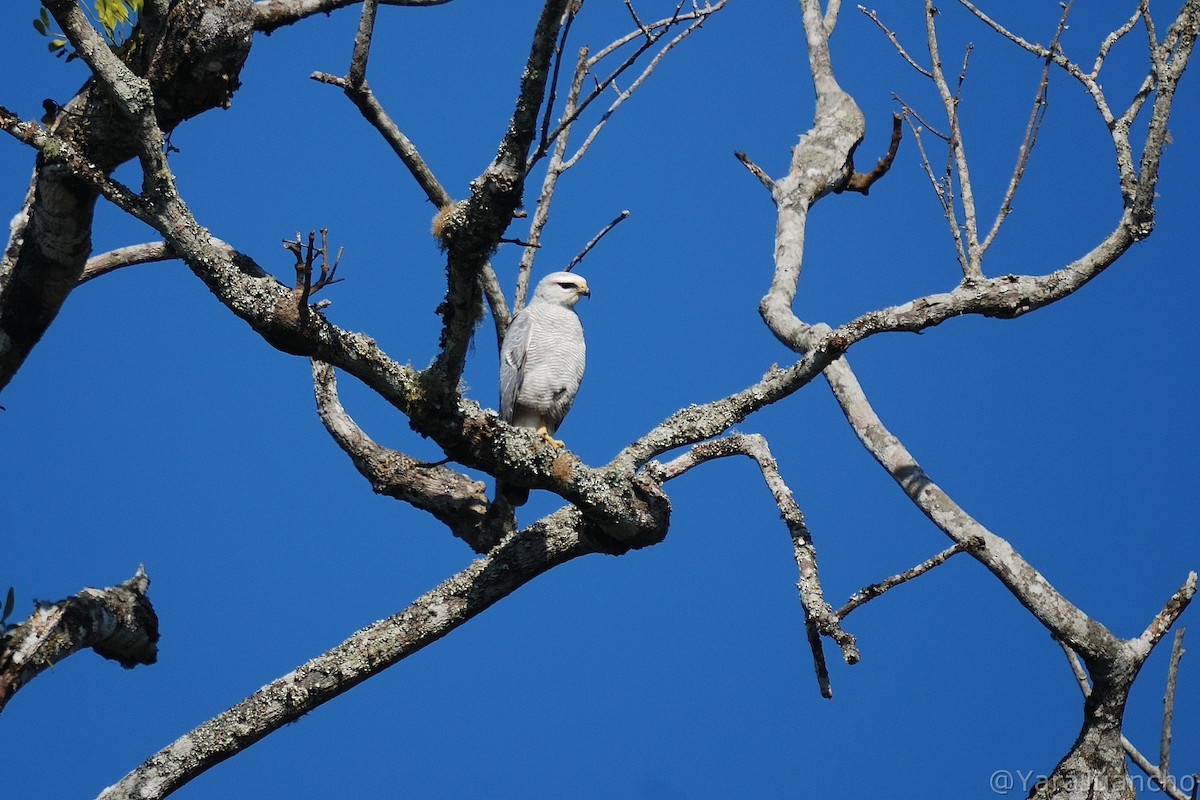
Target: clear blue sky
152,426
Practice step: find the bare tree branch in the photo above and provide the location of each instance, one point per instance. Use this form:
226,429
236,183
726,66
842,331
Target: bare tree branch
755,170
554,169
1164,746
574,262
453,498
118,623
145,253
555,141
272,14
1036,115
697,18
649,35
1160,772
819,617
1165,618
869,593
956,154
192,68
874,17
476,226
517,560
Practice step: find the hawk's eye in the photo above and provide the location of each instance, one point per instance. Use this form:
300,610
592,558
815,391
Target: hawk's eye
567,285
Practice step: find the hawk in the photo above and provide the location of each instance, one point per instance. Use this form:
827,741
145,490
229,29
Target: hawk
541,362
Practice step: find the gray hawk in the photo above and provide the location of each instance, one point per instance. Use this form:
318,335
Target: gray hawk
541,362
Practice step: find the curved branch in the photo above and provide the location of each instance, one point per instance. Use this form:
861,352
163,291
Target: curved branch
132,255
450,496
118,623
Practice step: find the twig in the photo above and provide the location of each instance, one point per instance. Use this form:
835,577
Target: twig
657,30
1112,38
869,593
755,170
1036,115
699,17
306,256
552,88
369,106
541,212
1170,612
895,41
1164,746
574,107
956,156
1077,669
637,20
924,123
944,192
595,239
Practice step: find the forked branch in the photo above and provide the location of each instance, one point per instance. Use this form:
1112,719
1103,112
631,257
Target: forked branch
819,617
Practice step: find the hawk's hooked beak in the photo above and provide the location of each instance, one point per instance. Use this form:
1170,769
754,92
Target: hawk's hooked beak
583,290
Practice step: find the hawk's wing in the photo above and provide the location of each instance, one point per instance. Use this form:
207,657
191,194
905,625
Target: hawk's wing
513,354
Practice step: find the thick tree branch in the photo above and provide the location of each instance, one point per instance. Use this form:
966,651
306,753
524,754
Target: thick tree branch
476,225
118,623
520,558
191,60
1160,772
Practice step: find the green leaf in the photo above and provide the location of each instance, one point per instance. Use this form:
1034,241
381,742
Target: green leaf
112,15
57,44
39,27
8,604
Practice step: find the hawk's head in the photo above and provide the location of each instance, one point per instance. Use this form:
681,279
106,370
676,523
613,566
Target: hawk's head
562,289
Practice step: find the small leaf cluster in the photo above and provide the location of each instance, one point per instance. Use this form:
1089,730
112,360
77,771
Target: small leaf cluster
58,42
117,19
